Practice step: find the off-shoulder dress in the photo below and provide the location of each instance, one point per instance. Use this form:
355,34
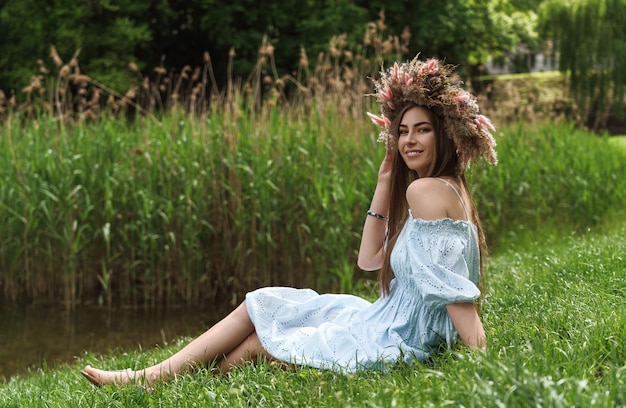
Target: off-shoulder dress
435,263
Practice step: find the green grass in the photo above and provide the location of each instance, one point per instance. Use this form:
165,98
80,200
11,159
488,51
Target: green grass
619,141
555,317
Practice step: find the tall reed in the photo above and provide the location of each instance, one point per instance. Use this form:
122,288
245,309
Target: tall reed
183,210
550,177
181,188
180,209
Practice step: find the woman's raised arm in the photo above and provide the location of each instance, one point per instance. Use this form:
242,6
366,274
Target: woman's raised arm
375,228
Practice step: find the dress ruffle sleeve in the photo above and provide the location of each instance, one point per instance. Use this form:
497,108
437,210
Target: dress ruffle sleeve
441,255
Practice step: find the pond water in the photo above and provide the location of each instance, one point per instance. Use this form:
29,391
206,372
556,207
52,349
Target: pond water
39,336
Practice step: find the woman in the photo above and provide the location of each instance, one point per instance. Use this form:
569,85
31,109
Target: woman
422,231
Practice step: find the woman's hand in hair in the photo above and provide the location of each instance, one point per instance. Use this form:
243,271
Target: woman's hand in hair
384,171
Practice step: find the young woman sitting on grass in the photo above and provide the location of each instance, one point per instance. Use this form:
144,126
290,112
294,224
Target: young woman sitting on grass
422,231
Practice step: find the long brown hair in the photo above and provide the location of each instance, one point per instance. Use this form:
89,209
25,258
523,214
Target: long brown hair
445,164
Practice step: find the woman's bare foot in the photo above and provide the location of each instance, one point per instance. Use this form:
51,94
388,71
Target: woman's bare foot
120,377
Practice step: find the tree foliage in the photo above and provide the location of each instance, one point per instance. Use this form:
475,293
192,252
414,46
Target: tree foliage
107,33
590,41
467,32
112,33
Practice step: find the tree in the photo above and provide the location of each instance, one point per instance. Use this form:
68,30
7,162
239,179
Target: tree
175,33
107,33
465,32
590,42
20,44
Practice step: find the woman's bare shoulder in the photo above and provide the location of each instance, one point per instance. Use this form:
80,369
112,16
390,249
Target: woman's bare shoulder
428,198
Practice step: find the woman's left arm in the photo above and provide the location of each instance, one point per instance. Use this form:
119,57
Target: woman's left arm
467,323
428,201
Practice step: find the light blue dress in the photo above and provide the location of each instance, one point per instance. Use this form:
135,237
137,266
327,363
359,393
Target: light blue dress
435,263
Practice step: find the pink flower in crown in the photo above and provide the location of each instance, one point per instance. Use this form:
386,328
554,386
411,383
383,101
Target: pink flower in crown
408,79
432,67
381,121
396,72
482,121
387,94
429,67
462,97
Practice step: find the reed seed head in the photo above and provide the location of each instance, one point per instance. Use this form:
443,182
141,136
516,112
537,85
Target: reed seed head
131,93
55,56
406,36
64,71
304,60
79,79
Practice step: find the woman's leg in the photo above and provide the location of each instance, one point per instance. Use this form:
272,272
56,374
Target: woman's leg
249,350
234,333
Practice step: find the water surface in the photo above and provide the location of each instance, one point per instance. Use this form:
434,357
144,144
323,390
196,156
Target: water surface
39,336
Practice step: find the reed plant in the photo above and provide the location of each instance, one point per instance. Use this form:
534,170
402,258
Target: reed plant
551,178
175,210
179,189
179,210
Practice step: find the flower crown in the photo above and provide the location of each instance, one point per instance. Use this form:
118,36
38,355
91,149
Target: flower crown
430,84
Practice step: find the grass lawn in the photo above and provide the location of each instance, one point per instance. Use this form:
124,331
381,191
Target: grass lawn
555,316
619,141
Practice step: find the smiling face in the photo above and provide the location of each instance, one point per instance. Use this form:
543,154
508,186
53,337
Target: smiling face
416,140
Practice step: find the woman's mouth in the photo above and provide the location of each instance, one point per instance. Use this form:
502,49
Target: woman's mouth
413,153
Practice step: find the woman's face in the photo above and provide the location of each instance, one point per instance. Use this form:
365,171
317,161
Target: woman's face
416,140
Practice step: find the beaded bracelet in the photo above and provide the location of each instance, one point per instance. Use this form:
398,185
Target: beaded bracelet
375,215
